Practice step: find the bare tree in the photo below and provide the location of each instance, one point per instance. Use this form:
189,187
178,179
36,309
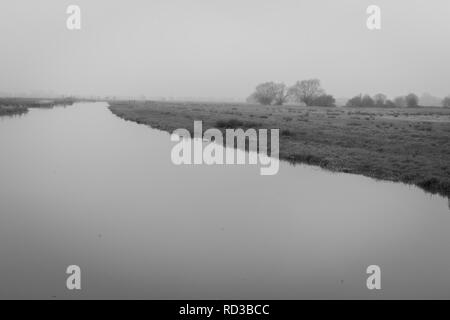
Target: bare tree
306,91
268,93
281,94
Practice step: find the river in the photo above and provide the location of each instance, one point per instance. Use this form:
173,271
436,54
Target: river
81,186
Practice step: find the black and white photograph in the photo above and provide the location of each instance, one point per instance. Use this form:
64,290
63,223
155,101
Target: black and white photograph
225,150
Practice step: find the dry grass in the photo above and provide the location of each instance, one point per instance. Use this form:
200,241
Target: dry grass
410,145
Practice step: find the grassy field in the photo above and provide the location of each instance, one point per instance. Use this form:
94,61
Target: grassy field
411,145
17,106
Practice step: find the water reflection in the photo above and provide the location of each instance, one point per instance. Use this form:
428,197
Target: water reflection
80,186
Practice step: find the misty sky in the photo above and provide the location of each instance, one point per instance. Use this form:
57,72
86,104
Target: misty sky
222,49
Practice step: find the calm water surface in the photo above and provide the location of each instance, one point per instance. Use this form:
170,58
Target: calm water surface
80,186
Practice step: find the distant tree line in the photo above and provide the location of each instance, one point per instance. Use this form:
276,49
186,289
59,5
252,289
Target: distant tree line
311,93
380,100
308,92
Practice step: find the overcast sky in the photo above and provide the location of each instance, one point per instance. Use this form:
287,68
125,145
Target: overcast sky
223,48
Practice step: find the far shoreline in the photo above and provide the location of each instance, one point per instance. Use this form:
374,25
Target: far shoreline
19,106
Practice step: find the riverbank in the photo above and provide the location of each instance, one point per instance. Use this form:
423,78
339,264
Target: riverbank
17,106
6,110
410,145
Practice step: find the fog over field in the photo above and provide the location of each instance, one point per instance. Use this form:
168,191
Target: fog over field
224,150
222,49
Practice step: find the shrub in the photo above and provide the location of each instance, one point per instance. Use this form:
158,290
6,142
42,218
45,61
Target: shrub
367,101
287,133
355,102
324,100
400,102
446,102
412,100
389,104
